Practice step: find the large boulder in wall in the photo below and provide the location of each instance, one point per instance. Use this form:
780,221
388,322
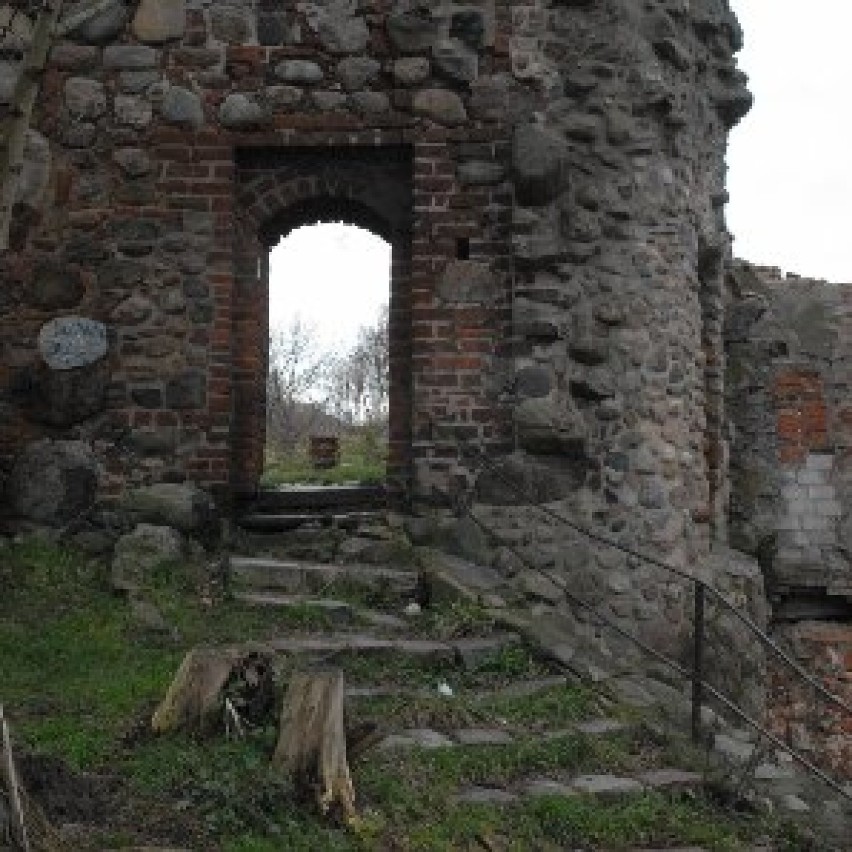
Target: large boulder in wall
139,552
54,482
185,507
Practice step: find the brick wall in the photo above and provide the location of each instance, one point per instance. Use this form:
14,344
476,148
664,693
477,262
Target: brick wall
819,730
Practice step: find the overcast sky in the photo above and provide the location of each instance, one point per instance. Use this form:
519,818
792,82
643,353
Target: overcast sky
790,162
790,176
335,277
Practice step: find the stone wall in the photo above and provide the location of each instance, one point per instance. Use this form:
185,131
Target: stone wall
790,395
563,255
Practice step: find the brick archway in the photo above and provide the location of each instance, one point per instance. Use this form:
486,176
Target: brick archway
279,191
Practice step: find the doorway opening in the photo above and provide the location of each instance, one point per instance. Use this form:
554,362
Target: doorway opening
328,374
353,199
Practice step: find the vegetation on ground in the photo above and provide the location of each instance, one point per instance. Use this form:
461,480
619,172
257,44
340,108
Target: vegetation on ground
80,676
362,462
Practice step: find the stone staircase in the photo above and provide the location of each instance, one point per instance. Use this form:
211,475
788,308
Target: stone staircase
440,677
291,507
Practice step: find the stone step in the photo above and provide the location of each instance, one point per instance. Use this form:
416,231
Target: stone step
275,522
468,652
308,499
521,688
428,738
341,612
269,599
309,577
600,786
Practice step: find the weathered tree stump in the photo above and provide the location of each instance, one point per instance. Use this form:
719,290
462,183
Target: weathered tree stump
214,688
23,824
15,827
311,746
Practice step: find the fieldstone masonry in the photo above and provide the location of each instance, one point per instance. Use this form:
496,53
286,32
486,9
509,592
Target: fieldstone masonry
550,175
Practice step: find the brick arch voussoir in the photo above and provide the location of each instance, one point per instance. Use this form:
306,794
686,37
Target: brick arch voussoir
266,200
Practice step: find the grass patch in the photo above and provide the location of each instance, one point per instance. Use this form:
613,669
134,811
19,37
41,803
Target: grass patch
80,678
362,461
551,709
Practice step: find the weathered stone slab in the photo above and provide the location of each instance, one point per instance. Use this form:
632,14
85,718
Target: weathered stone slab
534,787
606,785
417,738
69,342
482,736
486,796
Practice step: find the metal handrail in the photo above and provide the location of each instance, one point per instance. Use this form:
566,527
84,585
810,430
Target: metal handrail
755,629
698,682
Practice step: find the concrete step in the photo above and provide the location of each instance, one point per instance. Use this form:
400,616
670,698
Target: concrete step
342,612
488,736
468,652
274,522
310,577
604,787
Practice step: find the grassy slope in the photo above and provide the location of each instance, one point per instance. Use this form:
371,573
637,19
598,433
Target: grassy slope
79,680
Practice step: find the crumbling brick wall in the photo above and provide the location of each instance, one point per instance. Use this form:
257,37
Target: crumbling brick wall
799,717
790,391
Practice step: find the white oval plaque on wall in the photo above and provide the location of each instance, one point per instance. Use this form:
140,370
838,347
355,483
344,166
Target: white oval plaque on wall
69,342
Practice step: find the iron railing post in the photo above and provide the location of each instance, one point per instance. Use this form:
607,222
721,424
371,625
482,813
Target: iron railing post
698,662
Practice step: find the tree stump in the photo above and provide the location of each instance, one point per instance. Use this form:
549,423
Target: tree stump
311,746
216,687
23,824
11,789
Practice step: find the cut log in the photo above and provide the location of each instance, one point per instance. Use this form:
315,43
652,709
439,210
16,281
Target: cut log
22,821
311,748
207,677
10,786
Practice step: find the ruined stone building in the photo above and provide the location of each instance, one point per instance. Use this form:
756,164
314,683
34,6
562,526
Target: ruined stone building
550,175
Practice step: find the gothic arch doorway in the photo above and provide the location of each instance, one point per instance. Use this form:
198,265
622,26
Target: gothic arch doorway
284,189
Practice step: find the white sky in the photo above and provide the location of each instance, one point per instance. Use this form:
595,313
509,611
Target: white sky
790,177
334,277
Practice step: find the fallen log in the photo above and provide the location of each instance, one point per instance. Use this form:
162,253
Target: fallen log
311,747
217,688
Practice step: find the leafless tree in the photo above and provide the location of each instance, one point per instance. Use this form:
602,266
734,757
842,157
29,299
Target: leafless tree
359,380
296,376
